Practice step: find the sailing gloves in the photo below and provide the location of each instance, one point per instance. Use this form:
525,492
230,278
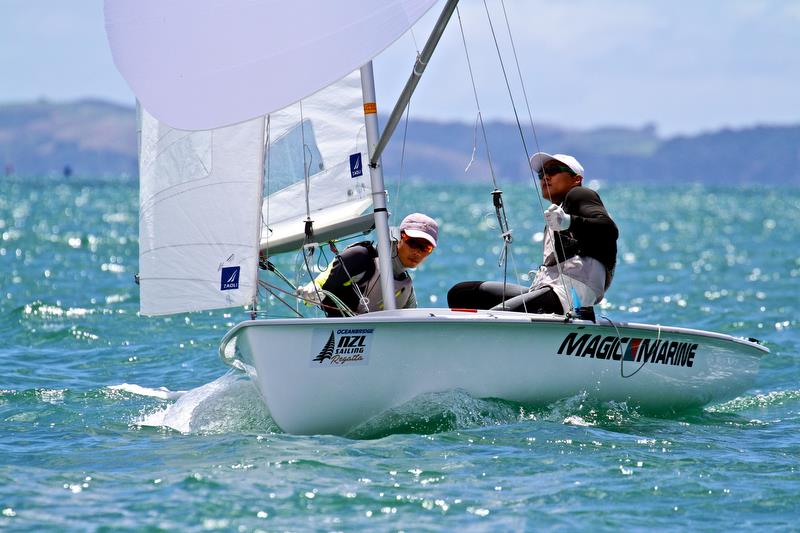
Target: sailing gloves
556,218
310,293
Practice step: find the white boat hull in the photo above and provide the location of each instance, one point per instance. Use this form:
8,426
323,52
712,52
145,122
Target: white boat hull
327,376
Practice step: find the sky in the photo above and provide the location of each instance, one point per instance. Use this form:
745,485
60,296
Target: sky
684,66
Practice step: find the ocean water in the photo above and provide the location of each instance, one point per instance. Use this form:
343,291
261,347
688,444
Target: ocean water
112,421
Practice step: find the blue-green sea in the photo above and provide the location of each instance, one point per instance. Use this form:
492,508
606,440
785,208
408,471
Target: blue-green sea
111,421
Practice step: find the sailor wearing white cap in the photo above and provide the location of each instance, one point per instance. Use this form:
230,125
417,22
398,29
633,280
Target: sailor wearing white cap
580,249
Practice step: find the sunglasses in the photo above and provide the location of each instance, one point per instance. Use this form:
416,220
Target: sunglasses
421,245
552,170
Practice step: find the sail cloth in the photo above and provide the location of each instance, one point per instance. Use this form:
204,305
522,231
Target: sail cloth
201,211
199,220
324,137
202,64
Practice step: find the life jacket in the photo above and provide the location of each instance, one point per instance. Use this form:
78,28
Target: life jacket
369,286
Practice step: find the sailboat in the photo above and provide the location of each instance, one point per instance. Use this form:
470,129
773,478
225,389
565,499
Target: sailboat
258,136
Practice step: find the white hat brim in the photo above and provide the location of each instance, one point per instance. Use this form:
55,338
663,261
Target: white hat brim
417,234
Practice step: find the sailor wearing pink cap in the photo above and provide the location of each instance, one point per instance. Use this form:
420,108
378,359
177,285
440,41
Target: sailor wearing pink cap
354,276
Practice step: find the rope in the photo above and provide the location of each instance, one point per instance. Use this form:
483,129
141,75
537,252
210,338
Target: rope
497,201
339,305
622,358
402,155
477,102
363,300
524,142
269,290
305,162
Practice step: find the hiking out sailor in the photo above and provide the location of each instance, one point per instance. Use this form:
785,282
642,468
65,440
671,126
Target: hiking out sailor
354,276
580,249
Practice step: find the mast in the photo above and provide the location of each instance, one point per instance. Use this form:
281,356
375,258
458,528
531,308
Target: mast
376,143
378,188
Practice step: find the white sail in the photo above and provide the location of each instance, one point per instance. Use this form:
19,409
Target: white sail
200,64
199,219
331,149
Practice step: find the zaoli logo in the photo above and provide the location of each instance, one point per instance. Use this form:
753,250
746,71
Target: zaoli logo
229,278
343,346
355,165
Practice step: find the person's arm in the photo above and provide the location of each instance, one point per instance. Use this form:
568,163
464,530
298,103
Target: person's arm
589,219
349,267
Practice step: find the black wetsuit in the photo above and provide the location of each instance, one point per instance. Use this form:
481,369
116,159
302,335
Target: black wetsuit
357,265
592,233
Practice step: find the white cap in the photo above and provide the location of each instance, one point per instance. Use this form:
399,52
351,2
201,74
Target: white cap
540,158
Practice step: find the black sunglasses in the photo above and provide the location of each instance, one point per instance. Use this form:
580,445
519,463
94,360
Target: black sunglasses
552,170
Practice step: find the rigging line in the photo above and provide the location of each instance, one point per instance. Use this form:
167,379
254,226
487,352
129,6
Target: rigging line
414,37
305,163
269,290
306,251
522,85
339,304
524,143
402,156
622,358
475,94
269,175
361,298
282,277
405,130
508,84
500,209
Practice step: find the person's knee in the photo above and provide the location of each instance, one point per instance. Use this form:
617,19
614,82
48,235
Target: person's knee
462,294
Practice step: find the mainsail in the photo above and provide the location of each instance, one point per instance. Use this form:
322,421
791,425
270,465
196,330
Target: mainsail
202,221
322,139
214,78
201,64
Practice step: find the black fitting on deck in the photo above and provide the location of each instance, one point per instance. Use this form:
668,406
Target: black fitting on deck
309,230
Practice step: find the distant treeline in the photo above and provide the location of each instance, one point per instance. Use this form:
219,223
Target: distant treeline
96,138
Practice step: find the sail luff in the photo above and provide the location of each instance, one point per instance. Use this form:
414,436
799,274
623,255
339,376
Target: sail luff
257,206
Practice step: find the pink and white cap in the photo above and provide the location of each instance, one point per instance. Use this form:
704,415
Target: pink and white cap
419,226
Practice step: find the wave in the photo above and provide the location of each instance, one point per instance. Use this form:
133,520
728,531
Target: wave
756,401
230,403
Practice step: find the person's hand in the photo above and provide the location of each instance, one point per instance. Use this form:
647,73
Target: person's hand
310,293
556,218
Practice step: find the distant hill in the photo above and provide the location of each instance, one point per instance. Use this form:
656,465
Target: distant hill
88,137
97,138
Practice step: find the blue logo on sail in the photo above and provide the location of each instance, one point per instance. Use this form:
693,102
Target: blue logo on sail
355,165
229,279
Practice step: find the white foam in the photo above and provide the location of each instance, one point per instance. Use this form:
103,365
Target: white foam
162,393
228,403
